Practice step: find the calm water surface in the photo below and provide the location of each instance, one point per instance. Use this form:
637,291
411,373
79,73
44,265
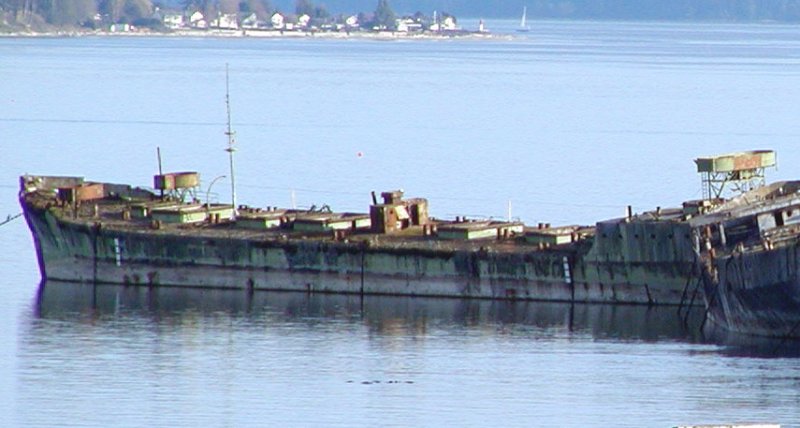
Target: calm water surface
569,124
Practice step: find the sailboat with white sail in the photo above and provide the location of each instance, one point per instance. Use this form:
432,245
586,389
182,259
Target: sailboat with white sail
523,24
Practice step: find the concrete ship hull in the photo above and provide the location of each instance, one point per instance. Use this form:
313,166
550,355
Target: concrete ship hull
739,256
757,292
88,250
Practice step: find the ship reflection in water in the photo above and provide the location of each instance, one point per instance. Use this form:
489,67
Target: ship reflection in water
409,361
395,316
383,315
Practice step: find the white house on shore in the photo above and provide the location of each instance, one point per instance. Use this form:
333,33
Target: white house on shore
303,20
408,25
250,22
197,20
174,20
226,21
277,21
448,23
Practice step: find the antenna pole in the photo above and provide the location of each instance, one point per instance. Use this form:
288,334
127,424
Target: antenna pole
160,171
230,149
158,152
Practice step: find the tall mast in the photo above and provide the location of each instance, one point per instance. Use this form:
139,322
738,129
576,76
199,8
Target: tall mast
524,21
231,142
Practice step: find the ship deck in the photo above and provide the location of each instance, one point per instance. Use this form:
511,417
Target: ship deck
110,214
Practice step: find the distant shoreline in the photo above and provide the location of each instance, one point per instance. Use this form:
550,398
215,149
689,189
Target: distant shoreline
266,34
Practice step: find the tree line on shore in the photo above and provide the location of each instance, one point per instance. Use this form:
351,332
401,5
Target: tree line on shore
61,13
47,14
40,14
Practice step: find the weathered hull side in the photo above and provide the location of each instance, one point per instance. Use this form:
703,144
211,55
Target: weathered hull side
660,282
91,253
656,257
756,293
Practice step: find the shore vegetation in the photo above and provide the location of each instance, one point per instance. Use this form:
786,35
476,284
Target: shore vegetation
212,17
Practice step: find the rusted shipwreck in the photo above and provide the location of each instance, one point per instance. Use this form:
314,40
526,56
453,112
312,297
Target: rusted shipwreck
114,233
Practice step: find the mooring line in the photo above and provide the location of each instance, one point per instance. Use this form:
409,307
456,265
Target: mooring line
10,218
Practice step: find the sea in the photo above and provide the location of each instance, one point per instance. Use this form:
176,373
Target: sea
566,124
